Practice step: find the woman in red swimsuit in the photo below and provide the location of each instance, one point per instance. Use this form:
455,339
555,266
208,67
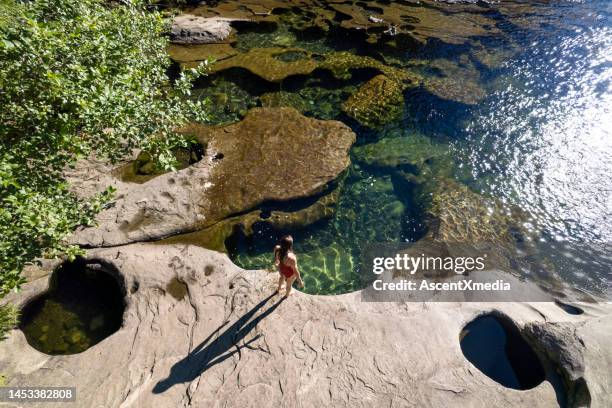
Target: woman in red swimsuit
286,261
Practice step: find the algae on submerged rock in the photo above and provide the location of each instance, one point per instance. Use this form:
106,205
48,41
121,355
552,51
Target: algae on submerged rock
190,56
458,214
376,103
398,152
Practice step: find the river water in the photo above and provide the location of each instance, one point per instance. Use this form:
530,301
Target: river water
524,118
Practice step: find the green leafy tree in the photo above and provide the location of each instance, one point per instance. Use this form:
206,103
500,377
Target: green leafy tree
77,77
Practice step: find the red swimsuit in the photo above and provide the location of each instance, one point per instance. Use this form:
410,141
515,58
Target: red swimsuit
286,270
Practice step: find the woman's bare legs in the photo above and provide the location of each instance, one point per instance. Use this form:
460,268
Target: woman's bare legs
289,283
281,279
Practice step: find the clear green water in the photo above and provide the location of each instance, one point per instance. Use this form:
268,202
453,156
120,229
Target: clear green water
539,138
82,307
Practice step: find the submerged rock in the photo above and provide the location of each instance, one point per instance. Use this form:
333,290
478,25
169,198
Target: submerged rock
274,154
455,81
412,152
282,98
458,214
376,103
190,29
190,56
340,64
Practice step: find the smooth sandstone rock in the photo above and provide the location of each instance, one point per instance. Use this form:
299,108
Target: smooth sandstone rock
227,343
214,237
274,154
190,29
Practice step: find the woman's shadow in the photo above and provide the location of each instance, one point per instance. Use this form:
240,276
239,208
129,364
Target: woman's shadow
205,356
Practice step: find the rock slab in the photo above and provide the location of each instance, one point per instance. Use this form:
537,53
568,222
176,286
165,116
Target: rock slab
273,154
229,343
190,29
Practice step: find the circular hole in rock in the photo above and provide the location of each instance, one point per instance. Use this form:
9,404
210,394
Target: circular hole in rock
83,306
569,309
495,346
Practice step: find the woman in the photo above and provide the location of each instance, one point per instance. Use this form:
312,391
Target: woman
285,260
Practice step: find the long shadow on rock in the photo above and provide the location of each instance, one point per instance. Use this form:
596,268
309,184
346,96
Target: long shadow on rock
205,356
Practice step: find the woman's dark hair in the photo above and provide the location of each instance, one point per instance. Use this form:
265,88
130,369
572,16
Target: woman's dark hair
286,245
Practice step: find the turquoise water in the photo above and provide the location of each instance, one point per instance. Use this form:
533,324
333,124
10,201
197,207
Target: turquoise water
524,118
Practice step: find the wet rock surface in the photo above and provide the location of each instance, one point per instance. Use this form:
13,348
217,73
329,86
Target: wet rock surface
225,342
245,164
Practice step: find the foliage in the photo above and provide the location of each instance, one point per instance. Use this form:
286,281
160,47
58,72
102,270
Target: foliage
8,320
8,8
78,77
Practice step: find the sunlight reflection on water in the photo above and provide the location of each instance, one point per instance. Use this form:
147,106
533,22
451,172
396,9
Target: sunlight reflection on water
546,139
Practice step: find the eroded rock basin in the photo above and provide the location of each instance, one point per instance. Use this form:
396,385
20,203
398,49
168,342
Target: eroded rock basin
82,307
494,345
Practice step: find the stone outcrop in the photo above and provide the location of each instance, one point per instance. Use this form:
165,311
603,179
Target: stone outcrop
274,154
190,29
227,342
214,237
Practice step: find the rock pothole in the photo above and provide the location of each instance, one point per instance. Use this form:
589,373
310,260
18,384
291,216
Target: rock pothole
494,345
569,309
83,305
